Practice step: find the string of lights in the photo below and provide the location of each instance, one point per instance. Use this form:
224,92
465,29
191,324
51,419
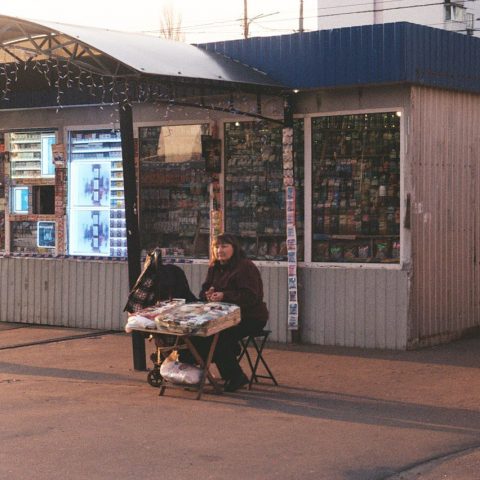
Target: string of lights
60,75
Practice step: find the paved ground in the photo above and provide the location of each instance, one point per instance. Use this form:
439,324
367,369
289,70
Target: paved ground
74,409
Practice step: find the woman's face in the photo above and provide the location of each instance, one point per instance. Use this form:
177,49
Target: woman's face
224,252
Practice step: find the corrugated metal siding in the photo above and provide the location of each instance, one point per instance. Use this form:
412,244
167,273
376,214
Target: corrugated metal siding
370,54
445,155
339,306
63,292
92,294
354,307
275,290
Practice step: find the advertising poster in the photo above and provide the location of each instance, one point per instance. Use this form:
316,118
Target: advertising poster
92,184
46,234
90,232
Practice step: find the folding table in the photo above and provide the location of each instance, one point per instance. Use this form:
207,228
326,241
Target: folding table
184,340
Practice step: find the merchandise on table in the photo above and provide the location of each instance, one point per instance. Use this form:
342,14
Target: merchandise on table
145,318
199,318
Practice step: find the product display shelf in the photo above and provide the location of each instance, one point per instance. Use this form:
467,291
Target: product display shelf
175,206
254,192
25,155
356,187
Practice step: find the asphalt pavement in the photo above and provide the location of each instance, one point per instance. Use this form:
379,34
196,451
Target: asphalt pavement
72,407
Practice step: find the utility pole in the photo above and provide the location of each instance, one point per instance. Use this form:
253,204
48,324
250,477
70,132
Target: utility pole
245,19
300,18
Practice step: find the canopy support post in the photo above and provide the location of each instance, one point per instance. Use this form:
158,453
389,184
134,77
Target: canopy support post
131,219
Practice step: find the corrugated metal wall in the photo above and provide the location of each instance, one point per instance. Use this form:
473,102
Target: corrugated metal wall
444,145
92,294
369,54
339,306
63,292
354,307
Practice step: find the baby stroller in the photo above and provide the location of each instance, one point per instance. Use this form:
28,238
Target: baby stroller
158,282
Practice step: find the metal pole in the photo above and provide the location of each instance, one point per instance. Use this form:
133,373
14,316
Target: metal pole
300,18
245,18
131,219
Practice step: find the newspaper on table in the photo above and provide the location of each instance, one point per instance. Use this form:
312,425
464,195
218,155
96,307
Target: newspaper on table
197,318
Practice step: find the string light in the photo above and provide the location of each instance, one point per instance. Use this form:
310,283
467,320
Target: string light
61,75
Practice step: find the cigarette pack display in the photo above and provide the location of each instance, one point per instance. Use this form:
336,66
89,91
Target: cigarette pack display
254,187
31,154
356,187
174,189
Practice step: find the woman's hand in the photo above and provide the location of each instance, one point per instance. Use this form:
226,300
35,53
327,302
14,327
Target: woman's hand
216,296
208,294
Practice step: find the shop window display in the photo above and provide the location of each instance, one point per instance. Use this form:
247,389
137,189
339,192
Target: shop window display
356,188
254,191
96,198
31,154
174,190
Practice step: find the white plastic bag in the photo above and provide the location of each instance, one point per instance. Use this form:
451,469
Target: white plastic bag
137,321
177,372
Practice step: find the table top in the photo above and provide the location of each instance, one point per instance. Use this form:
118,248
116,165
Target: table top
229,322
193,319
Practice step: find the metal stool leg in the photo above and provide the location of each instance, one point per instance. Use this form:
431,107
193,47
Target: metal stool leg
261,359
251,340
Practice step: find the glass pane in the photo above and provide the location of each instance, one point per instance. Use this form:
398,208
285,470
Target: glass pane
174,190
48,167
96,197
356,188
254,192
30,157
20,200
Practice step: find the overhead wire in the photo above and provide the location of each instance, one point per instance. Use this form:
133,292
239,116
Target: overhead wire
191,29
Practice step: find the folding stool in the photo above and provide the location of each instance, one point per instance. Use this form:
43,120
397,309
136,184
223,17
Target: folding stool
257,341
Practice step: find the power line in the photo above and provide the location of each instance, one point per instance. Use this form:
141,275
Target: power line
190,29
285,19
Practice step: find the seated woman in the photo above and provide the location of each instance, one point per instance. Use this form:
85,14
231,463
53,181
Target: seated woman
233,278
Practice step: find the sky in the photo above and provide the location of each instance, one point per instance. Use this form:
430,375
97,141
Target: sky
202,20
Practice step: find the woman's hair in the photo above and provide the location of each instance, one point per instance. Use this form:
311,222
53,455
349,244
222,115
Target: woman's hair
238,252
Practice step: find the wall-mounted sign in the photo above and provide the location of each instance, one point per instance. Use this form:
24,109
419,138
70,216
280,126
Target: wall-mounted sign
46,234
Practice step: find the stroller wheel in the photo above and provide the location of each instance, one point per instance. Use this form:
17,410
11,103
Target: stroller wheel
154,378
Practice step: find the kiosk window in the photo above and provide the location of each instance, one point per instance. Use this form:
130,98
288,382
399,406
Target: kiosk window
356,188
